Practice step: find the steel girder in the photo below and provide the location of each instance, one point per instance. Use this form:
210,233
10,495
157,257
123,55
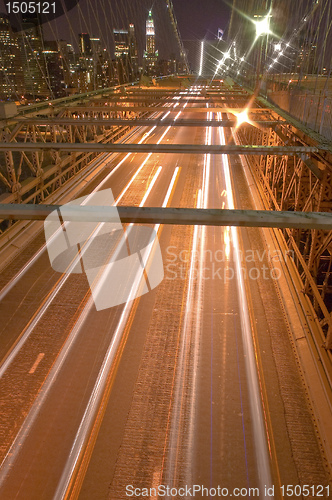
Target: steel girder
32,175
220,108
49,168
85,146
171,215
143,122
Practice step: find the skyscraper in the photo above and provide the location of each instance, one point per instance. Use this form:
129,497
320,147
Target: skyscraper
121,52
67,55
150,54
54,64
33,61
96,47
85,44
133,52
101,64
121,43
11,72
86,65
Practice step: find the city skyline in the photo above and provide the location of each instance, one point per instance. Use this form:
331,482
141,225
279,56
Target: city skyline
38,68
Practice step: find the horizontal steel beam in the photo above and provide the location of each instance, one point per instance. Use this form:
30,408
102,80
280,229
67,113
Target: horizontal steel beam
188,109
181,93
92,147
176,216
158,99
75,97
177,91
141,122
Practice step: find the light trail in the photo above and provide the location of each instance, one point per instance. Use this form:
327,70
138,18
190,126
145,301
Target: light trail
163,118
44,391
107,157
23,433
207,164
42,310
152,183
123,242
258,425
51,296
88,420
32,415
190,341
201,59
170,189
6,289
185,346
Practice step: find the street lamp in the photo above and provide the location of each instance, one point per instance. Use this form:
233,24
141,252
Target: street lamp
263,26
262,29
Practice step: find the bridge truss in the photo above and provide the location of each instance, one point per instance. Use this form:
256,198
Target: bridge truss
299,183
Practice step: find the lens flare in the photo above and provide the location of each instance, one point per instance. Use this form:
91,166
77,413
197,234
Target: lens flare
242,117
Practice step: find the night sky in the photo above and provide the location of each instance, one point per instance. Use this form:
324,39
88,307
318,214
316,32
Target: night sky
201,18
197,19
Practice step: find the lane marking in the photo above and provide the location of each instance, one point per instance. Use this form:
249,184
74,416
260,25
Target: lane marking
36,363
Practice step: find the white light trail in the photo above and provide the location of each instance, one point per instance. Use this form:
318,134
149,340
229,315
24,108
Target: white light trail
185,344
207,163
42,310
163,118
88,419
6,289
258,423
190,333
82,433
152,183
201,59
170,188
13,452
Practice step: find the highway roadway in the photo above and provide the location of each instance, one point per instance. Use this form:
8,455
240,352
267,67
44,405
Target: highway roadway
193,383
